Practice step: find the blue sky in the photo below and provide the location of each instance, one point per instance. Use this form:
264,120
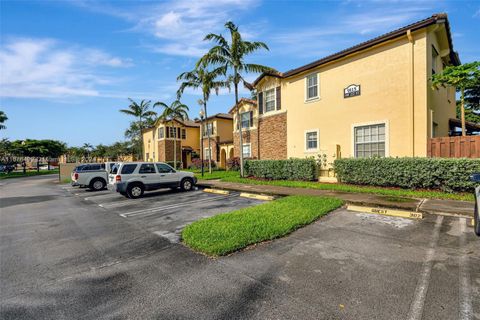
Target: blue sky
66,68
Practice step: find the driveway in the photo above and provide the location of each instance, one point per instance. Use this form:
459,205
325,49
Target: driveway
65,257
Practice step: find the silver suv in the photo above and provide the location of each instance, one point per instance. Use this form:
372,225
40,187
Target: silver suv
132,179
476,178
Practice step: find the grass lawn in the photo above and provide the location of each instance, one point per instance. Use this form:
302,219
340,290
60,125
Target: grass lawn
229,232
27,174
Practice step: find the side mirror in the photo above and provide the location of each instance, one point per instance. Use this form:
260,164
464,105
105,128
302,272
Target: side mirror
475,177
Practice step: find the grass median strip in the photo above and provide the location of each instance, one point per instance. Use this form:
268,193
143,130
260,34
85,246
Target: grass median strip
229,232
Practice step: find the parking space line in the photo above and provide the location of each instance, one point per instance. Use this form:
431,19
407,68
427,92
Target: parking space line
152,211
102,196
465,299
416,308
108,205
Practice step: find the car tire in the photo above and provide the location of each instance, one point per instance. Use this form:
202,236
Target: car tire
97,184
187,184
476,220
135,190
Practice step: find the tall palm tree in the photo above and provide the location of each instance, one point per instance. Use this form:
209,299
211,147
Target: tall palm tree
143,116
87,147
231,56
207,81
3,118
175,111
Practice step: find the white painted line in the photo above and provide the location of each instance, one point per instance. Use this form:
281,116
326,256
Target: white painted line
101,196
152,211
465,298
122,203
416,308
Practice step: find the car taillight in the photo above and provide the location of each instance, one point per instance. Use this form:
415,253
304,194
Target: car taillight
76,176
118,178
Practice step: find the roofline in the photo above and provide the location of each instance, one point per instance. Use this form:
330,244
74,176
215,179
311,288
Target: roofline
434,19
254,102
218,115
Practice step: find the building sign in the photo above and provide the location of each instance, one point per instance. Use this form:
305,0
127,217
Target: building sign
351,91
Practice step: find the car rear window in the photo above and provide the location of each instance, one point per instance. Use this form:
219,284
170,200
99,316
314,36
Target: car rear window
128,168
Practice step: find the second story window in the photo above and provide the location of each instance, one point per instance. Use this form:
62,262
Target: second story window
184,134
208,130
312,86
161,133
270,100
434,60
245,119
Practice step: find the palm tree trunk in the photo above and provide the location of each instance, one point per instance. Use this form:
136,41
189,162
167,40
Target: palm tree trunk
174,146
208,137
462,111
141,140
239,123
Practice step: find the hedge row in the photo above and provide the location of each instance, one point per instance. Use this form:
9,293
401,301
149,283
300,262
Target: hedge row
291,169
413,173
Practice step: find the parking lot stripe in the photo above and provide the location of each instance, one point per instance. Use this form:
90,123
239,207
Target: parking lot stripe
416,308
465,299
151,211
129,202
102,196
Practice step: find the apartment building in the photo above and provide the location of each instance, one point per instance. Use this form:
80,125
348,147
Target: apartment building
373,99
219,130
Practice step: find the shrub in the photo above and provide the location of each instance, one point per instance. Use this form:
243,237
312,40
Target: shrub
291,169
197,164
233,164
413,173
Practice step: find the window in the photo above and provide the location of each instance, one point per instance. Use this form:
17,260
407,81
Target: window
160,133
207,154
434,60
312,86
92,167
270,100
153,156
147,156
245,119
147,168
164,168
208,131
246,150
128,168
311,140
171,132
370,141
184,134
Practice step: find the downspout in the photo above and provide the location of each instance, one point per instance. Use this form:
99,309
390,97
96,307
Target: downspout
412,90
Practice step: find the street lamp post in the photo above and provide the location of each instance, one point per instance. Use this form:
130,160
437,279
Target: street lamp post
202,114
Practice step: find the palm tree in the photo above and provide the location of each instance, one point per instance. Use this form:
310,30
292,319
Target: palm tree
176,111
3,118
87,147
202,78
231,57
143,115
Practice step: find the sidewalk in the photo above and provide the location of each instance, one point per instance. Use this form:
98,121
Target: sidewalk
430,206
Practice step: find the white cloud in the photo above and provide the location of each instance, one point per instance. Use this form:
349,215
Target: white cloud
47,69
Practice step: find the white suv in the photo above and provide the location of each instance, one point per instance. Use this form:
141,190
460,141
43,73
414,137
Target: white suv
132,179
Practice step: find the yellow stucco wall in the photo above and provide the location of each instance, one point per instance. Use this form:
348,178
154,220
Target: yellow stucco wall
224,129
394,90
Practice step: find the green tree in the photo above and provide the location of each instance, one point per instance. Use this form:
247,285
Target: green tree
175,111
99,151
38,148
144,116
231,56
3,118
207,81
472,103
463,77
87,150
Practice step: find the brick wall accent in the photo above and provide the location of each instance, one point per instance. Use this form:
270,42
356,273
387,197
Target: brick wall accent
272,131
213,145
165,150
250,136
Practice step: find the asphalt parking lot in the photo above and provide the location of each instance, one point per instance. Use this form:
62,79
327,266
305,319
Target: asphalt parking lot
66,257
165,212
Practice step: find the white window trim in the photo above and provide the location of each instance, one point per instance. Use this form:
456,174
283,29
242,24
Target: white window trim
305,140
206,153
251,124
370,123
306,88
250,145
265,100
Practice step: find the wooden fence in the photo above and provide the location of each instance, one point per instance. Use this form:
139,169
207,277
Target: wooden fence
454,147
